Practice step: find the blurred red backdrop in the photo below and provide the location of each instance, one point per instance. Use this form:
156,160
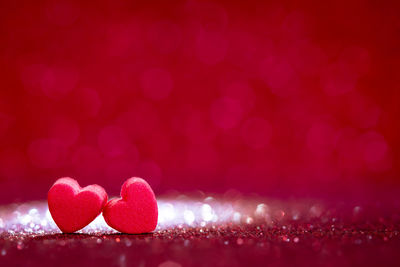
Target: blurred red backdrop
272,97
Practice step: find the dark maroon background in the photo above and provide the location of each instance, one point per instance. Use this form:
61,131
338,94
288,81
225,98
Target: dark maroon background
274,97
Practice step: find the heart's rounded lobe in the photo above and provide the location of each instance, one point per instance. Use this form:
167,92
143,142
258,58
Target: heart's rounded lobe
136,211
73,207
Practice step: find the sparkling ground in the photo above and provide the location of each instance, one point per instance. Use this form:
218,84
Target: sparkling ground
213,231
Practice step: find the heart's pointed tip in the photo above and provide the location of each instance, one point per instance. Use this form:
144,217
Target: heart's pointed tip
68,231
135,230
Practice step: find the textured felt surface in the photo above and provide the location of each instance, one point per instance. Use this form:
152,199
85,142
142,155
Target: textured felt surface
136,211
73,207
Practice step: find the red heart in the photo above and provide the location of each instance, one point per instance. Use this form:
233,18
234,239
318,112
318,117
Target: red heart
73,207
136,212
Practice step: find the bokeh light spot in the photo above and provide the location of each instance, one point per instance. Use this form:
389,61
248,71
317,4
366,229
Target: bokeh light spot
58,82
211,47
321,139
226,113
256,132
113,141
156,83
165,36
47,153
62,13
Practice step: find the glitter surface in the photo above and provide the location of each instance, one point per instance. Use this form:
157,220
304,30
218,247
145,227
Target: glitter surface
212,231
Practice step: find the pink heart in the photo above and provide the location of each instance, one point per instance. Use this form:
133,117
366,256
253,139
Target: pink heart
136,212
73,207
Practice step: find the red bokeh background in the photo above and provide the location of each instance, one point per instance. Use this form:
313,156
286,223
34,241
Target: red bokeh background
272,97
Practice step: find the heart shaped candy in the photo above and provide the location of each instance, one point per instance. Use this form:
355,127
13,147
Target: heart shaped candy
73,207
136,211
